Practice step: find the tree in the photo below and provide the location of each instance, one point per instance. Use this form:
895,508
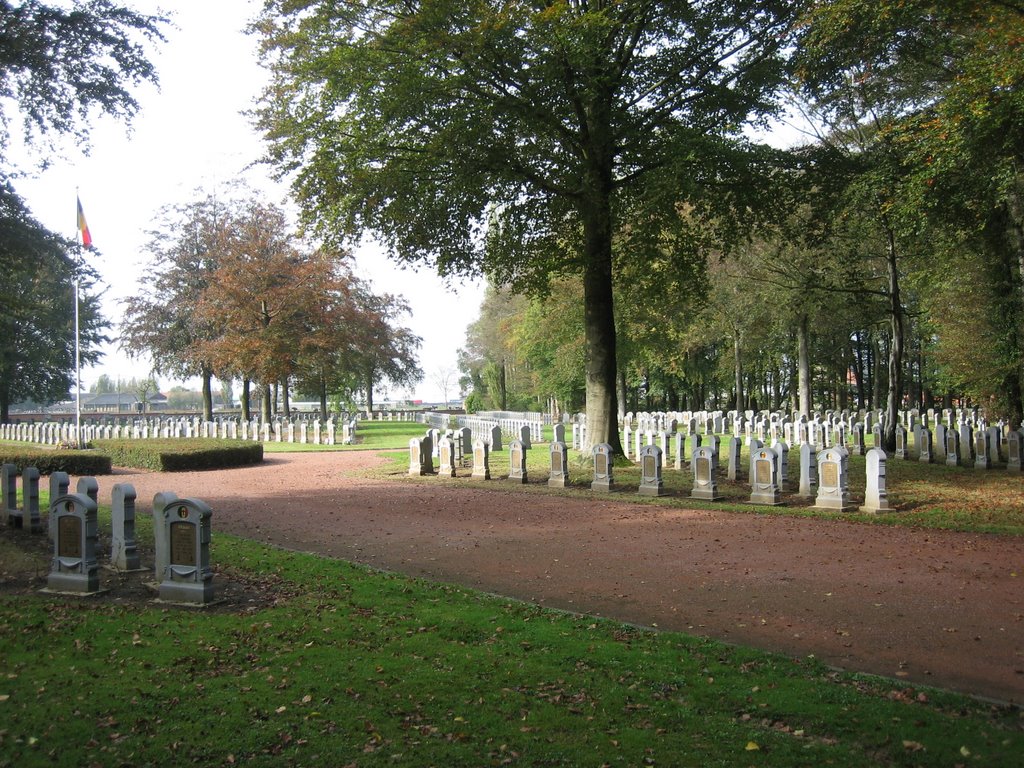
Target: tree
37,309
516,139
59,65
160,319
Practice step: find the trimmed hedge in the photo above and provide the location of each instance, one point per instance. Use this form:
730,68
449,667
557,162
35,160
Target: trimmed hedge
179,455
80,463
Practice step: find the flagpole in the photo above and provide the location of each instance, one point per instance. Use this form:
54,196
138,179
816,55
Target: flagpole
78,372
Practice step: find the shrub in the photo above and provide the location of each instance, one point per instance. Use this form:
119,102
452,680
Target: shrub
74,462
179,455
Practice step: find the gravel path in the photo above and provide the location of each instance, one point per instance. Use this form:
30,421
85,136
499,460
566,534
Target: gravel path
929,607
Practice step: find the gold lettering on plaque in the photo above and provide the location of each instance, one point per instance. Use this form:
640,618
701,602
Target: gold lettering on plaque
600,464
703,470
556,461
183,544
763,471
69,536
829,474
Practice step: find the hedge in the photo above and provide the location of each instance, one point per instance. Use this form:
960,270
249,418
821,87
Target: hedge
80,463
178,455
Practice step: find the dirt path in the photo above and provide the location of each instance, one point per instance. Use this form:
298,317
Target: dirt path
942,609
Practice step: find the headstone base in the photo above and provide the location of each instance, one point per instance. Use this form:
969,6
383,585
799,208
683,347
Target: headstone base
766,499
706,495
73,583
872,510
602,486
556,482
652,490
186,593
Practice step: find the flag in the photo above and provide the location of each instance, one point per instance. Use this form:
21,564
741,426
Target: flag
83,227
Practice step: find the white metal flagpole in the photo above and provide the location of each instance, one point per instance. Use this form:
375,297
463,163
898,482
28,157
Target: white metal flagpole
78,374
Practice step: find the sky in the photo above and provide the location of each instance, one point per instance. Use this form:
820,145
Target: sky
190,134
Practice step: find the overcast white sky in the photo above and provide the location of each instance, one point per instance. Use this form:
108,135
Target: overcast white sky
191,134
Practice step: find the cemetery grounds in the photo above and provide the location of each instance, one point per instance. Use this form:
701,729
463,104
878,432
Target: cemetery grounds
608,654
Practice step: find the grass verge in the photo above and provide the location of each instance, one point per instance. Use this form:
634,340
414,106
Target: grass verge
355,667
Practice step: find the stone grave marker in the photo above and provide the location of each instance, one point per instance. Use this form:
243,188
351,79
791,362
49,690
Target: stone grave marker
558,474
733,452
808,471
833,482
124,553
679,449
482,460
982,458
901,442
995,444
59,485
9,487
559,433
924,446
73,567
89,487
876,498
651,483
1013,441
764,483
952,448
524,437
447,458
857,445
939,443
696,441
495,437
705,469
517,462
603,473
416,456
160,546
188,577
966,445
781,451
30,499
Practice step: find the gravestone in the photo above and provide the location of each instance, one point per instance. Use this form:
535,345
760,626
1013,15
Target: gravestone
781,451
559,433
651,483
124,554
627,434
808,471
9,486
924,446
482,460
89,487
733,452
995,443
679,449
966,444
188,577
939,443
59,485
982,458
465,435
160,549
73,567
30,499
952,448
696,441
603,474
517,462
524,437
1013,441
705,469
833,482
446,458
901,442
558,474
416,456
764,483
876,498
857,445
495,438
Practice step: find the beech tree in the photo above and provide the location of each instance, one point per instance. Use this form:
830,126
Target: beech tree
160,320
514,139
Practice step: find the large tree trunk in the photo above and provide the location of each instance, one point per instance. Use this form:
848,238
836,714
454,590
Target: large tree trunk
599,327
892,403
503,386
207,376
737,360
245,401
286,405
266,404
1015,235
804,367
323,396
369,389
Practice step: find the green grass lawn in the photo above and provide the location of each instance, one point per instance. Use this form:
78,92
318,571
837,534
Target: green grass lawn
354,667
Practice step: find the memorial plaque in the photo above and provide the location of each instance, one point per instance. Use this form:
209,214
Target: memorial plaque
951,443
650,466
517,456
763,471
556,461
183,542
600,464
829,474
69,536
1013,448
478,456
703,470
